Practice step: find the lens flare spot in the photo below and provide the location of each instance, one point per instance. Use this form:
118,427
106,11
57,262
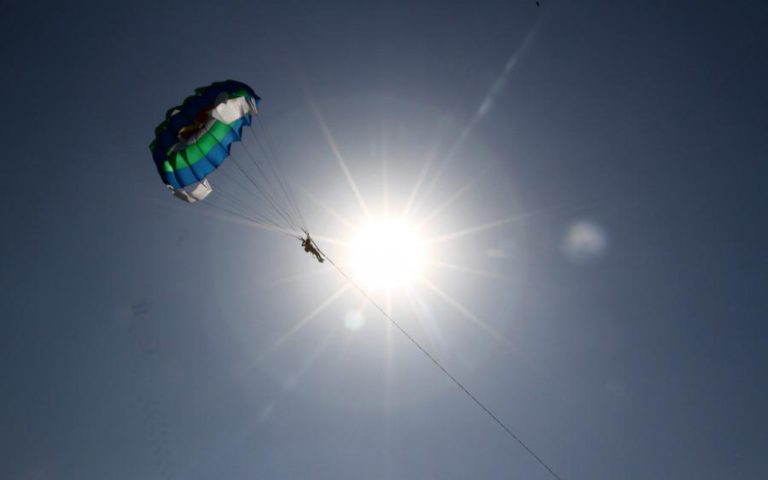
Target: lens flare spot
354,320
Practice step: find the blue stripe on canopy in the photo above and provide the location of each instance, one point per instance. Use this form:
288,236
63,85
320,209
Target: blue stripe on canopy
166,134
213,159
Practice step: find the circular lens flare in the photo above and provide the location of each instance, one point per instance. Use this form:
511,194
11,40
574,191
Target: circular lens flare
387,254
354,320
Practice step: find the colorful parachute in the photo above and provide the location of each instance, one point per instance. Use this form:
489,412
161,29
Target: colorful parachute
196,138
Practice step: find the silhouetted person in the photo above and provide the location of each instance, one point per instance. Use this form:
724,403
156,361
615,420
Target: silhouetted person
311,248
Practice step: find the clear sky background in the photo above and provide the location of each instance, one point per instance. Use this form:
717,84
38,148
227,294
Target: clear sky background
619,148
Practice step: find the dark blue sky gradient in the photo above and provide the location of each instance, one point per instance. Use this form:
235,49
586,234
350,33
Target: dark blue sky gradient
136,334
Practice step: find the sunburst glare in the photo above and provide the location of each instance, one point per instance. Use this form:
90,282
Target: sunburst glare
399,232
386,254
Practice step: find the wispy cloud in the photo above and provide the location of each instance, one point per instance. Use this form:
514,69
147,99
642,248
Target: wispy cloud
584,241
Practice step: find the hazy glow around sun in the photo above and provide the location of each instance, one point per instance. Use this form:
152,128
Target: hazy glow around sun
387,254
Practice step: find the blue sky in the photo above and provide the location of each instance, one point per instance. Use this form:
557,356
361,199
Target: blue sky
613,316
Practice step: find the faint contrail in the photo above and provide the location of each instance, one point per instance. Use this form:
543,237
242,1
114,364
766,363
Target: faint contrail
485,106
501,81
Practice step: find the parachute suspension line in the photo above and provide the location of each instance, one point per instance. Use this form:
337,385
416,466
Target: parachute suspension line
228,209
275,199
262,188
272,162
282,185
233,201
251,193
261,191
266,190
268,201
271,145
441,367
248,219
236,204
235,208
231,207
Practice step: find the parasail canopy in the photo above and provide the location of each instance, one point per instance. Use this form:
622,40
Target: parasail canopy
196,137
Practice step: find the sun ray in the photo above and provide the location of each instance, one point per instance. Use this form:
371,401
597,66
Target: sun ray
467,313
431,216
339,158
252,422
384,180
427,323
301,323
331,240
419,180
448,158
483,108
471,271
389,399
320,346
478,228
389,354
327,209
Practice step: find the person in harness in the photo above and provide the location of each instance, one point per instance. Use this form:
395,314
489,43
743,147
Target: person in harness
311,248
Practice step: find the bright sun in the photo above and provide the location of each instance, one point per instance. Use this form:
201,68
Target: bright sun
387,254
